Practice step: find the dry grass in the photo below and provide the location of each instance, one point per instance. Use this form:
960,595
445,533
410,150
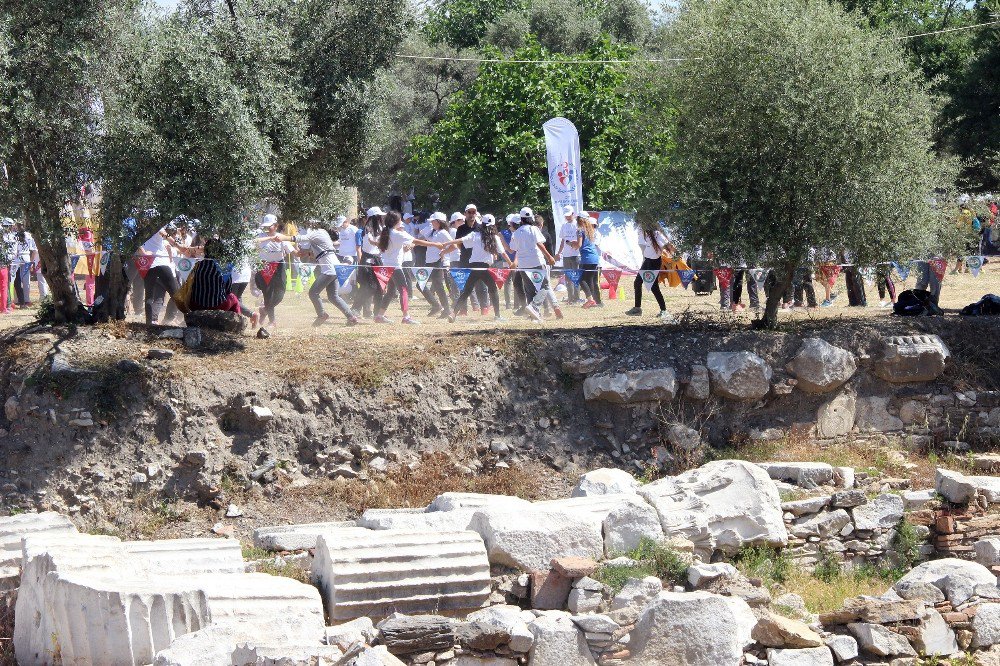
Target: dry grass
824,596
142,516
437,473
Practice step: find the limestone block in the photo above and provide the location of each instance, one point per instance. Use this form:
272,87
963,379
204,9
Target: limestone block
252,653
344,635
509,619
912,358
637,592
528,540
295,537
815,656
416,520
933,636
558,642
883,512
210,646
606,481
739,375
628,524
673,627
959,488
460,501
986,626
835,418
596,507
375,574
659,384
872,415
776,631
700,574
820,367
874,639
988,552
806,506
804,474
844,648
15,528
938,573
183,557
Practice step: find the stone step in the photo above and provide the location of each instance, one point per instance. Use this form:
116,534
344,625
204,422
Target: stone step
14,528
295,537
386,571
179,557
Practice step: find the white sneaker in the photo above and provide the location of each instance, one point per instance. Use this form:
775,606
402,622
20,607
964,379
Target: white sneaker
533,312
666,318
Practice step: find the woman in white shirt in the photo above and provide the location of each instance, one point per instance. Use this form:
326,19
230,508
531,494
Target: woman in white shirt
368,293
486,244
394,242
270,279
532,255
653,242
438,262
155,257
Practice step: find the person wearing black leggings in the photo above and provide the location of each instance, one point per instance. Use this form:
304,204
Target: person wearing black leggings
590,258
270,280
438,263
652,241
485,244
159,280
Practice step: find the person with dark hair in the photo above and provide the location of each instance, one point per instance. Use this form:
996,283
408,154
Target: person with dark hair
155,257
590,259
438,262
653,241
507,232
316,239
532,255
211,289
368,293
393,243
485,245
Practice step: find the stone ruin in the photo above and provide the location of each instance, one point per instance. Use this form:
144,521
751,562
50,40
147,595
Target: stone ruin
484,580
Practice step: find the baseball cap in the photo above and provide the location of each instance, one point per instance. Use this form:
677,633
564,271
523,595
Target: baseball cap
374,211
567,211
513,218
456,217
469,207
407,216
341,219
489,220
528,213
439,216
268,221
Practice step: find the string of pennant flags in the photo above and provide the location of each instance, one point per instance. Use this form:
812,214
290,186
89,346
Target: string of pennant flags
422,274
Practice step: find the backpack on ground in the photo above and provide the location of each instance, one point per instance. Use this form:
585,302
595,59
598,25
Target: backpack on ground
916,303
987,306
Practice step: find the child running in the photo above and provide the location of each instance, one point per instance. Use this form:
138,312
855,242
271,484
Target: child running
486,244
394,243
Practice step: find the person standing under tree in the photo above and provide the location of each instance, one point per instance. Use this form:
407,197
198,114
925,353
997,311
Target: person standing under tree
569,251
653,241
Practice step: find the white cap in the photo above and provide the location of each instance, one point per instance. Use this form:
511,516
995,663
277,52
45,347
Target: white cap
568,210
341,219
7,222
528,213
269,221
513,218
489,220
439,216
469,207
456,216
407,216
374,211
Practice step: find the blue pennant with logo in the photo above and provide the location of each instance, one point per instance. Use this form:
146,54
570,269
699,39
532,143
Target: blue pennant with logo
344,272
461,276
686,277
574,274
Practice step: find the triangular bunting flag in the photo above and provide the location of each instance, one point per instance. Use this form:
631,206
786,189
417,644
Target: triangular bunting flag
868,275
104,261
74,259
648,279
612,275
903,269
460,276
724,276
500,276
759,277
537,277
975,265
574,274
423,276
383,274
686,276
143,263
344,272
940,268
184,267
268,270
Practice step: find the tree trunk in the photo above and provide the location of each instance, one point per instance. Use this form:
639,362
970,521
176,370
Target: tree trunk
783,280
112,285
56,270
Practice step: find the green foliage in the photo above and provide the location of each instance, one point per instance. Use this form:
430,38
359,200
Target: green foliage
489,146
796,128
462,23
653,558
906,544
765,562
828,568
972,118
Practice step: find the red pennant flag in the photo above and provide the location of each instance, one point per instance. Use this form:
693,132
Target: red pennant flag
383,274
612,275
93,264
830,273
500,275
724,276
268,271
940,268
143,262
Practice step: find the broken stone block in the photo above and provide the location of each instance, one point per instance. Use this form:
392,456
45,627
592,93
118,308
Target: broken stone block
528,540
550,590
375,574
874,639
558,642
912,358
803,474
820,367
295,537
605,481
14,528
739,375
835,418
413,634
814,656
659,384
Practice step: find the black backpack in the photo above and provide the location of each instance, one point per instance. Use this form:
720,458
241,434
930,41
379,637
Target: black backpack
916,302
988,306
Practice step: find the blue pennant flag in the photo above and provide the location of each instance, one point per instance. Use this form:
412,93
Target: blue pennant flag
574,274
344,272
902,269
461,276
686,277
73,261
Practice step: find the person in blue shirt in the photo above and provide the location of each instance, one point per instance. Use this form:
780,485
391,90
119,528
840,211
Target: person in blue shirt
590,259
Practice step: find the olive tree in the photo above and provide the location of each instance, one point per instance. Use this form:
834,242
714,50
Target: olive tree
796,128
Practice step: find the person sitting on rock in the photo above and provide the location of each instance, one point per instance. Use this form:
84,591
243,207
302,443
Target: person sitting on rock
211,289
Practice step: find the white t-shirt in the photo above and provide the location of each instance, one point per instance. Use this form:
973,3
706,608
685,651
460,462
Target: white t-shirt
272,251
648,251
25,249
319,242
525,242
479,253
394,254
569,232
434,254
348,240
157,246
369,244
